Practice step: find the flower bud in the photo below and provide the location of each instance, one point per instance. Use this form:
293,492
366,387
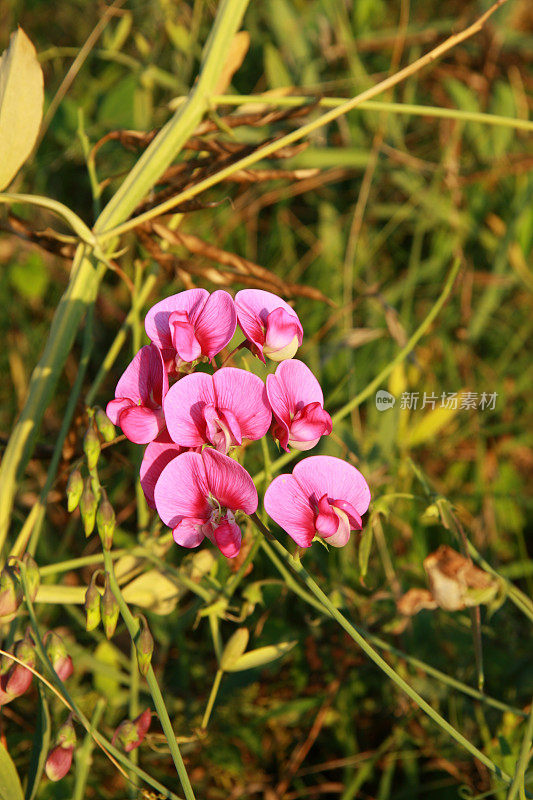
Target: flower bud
92,603
59,762
88,507
17,679
74,489
105,519
109,609
33,577
91,447
59,759
57,653
144,644
130,735
10,594
104,424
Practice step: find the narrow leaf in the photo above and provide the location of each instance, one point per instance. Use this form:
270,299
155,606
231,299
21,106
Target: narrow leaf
21,104
10,788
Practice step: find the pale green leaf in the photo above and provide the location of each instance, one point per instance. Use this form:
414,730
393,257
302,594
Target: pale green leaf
260,657
10,788
21,104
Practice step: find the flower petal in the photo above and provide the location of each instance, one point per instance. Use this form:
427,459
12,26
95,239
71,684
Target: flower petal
319,475
292,387
184,406
228,537
284,334
288,505
188,532
157,455
183,336
229,482
244,394
145,376
157,320
182,490
141,425
115,407
215,323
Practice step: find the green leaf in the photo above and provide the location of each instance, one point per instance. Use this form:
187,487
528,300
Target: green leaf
365,548
41,745
30,277
21,104
260,657
10,788
234,649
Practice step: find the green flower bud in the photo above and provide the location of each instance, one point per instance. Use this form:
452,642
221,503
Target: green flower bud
33,577
74,489
92,603
109,609
10,594
144,644
91,447
104,424
105,519
88,507
66,736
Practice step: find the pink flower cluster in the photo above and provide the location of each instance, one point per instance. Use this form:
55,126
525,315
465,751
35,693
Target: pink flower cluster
190,420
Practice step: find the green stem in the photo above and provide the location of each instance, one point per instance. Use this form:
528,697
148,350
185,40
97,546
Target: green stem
133,628
354,634
84,753
356,401
296,101
523,759
212,698
76,223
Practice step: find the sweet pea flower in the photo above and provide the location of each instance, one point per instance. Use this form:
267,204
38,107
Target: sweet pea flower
130,735
271,326
190,324
324,497
16,679
197,495
59,759
220,409
157,455
297,403
138,403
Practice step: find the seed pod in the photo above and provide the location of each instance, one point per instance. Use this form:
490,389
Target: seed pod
91,447
88,507
92,603
105,519
109,609
33,577
104,424
74,490
144,644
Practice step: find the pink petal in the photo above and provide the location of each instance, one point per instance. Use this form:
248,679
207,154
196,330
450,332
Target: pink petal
184,406
288,505
327,521
222,428
143,722
184,338
319,475
308,425
157,455
144,377
341,535
188,532
292,387
229,482
141,425
115,407
354,517
59,762
157,320
284,334
244,394
182,490
228,537
216,322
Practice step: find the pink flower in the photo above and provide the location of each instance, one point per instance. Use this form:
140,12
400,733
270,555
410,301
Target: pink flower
191,324
138,404
57,653
220,409
59,762
269,323
16,680
157,455
324,496
197,495
297,402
